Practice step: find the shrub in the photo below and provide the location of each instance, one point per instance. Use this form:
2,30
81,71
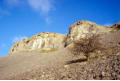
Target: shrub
87,45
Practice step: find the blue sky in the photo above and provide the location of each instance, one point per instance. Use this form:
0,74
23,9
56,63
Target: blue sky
21,19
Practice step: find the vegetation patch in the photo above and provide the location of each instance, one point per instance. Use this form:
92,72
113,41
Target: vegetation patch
115,30
48,51
87,46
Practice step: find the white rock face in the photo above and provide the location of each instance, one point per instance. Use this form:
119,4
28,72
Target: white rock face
45,40
38,43
81,29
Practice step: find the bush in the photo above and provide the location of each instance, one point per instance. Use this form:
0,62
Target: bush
87,45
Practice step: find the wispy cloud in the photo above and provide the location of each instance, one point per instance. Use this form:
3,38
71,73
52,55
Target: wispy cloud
108,24
8,4
44,6
13,2
18,38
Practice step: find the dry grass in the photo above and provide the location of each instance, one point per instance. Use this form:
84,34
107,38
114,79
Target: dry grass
38,50
115,30
48,51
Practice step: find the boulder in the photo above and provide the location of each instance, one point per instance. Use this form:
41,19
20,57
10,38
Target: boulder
82,29
44,40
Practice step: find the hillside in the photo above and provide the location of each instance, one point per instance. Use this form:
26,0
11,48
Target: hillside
49,56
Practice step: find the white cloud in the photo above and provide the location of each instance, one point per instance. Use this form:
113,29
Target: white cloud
108,24
13,2
18,38
44,6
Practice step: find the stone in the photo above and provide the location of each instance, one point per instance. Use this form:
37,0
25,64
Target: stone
116,25
82,29
44,40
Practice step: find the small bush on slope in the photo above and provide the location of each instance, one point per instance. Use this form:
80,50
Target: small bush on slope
87,45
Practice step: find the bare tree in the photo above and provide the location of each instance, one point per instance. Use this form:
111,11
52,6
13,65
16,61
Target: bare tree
87,45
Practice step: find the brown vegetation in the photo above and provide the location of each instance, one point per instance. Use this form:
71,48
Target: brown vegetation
87,45
48,51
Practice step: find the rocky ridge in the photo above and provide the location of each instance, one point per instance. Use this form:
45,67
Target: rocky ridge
49,40
41,41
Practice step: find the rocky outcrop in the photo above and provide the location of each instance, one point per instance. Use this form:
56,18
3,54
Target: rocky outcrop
82,29
116,25
45,40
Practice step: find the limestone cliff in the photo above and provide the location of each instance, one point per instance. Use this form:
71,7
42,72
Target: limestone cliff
82,29
45,40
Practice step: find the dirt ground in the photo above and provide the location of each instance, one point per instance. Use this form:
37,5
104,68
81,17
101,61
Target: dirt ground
60,65
25,62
